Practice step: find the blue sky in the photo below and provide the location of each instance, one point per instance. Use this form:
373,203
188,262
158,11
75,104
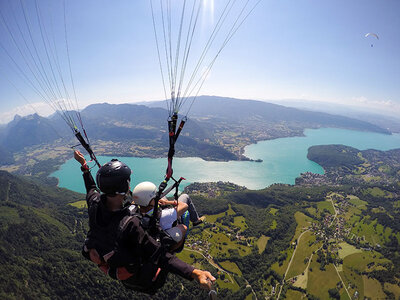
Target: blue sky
311,50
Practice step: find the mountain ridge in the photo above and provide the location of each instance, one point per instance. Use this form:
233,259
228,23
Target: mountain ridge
221,125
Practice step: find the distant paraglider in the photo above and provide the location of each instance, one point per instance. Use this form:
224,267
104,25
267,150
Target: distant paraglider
373,35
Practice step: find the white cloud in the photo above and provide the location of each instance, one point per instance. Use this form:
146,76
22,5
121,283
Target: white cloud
384,106
361,99
41,108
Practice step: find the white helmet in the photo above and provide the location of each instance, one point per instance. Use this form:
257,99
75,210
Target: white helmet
144,192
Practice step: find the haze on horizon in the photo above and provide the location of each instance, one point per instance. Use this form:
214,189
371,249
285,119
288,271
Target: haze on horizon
303,50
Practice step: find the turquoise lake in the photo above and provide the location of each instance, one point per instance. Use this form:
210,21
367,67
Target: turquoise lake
283,160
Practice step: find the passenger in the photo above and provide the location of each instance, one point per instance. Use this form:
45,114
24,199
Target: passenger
144,195
184,198
117,241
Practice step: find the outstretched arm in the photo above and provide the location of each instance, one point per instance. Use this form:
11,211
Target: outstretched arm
91,188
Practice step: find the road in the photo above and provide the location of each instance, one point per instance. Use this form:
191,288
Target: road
290,262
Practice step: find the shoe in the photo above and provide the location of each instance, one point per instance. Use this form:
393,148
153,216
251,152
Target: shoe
199,221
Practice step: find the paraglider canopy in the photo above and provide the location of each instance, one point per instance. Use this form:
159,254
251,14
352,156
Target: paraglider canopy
372,35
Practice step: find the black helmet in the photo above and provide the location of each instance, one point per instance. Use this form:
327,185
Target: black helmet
113,177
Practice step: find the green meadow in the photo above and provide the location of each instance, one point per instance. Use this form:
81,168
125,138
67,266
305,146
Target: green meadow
273,211
274,224
262,243
79,204
302,221
319,282
393,288
281,269
240,222
378,192
213,218
360,261
303,251
221,244
373,232
293,295
346,249
231,267
357,202
325,205
373,288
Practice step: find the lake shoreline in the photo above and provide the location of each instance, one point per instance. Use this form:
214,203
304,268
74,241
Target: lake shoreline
280,161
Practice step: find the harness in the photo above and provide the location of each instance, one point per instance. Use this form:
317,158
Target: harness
101,241
102,246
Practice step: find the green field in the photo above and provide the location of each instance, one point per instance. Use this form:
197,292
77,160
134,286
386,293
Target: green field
274,224
373,288
357,201
220,244
262,243
371,178
353,281
378,192
373,232
189,256
227,284
393,288
240,222
325,205
319,282
347,249
352,216
303,251
213,218
360,261
231,267
291,294
225,280
302,221
384,169
79,204
282,269
301,280
312,210
273,211
353,267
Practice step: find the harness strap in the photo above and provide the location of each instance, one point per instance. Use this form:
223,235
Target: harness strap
156,275
173,136
87,147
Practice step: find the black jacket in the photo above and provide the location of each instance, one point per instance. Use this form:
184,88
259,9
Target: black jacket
121,241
